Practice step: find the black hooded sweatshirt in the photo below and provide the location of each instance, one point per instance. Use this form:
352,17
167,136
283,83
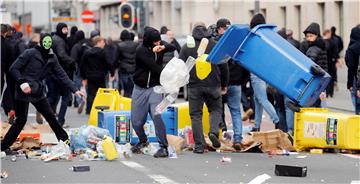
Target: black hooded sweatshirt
149,64
126,53
352,56
61,49
219,75
316,50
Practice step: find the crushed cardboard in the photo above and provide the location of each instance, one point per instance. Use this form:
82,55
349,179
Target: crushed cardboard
257,142
176,141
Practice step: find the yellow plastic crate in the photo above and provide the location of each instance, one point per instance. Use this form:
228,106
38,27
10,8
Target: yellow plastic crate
320,128
108,97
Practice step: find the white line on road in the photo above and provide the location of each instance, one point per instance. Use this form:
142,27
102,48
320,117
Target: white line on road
260,179
160,179
352,156
355,182
157,177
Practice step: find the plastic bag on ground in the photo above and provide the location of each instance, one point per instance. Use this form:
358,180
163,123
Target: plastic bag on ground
59,151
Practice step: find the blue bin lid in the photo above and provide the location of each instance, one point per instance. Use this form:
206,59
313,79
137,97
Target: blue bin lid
229,43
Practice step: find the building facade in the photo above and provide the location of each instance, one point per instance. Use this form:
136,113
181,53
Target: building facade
180,15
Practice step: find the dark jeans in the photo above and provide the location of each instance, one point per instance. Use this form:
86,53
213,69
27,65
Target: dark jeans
277,99
92,87
212,98
126,83
332,72
247,99
55,91
21,108
144,101
8,101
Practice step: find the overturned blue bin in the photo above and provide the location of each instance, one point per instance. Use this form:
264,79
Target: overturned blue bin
266,54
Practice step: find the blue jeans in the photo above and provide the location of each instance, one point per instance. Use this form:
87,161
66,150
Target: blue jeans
126,83
289,116
55,91
233,97
78,84
355,100
261,101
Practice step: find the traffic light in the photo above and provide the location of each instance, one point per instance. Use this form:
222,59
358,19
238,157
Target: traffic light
126,13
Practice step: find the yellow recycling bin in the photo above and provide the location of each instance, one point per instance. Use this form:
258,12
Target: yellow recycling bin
320,128
110,98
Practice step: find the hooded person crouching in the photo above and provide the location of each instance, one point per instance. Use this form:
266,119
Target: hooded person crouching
29,71
149,61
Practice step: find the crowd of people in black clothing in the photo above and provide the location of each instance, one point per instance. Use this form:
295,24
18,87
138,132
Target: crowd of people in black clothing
53,66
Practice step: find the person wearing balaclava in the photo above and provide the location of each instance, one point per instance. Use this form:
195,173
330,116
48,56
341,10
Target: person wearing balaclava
149,60
126,62
55,88
259,86
29,71
72,38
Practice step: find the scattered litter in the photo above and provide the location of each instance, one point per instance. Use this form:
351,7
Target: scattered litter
225,160
83,168
217,167
4,174
278,152
246,165
286,170
302,156
205,174
207,161
322,180
316,151
44,176
293,153
3,154
13,158
260,179
59,151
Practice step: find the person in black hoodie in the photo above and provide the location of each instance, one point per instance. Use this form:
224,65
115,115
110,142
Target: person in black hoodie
126,62
29,71
332,57
77,52
72,38
259,86
352,62
208,90
338,40
55,88
149,60
316,50
94,68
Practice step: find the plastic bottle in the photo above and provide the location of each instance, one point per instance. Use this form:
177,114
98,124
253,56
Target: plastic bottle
109,148
168,100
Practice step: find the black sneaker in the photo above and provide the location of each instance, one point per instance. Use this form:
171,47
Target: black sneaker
237,146
137,148
199,150
214,140
10,152
255,129
277,125
161,153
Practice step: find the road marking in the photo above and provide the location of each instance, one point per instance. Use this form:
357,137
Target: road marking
355,182
352,156
160,178
157,177
260,179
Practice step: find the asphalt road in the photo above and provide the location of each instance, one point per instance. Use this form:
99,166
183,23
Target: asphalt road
189,167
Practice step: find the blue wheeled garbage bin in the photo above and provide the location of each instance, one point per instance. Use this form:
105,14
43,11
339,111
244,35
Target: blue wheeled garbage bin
266,54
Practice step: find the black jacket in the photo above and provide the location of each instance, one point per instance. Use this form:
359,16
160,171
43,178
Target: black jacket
238,74
294,42
32,67
7,56
94,65
61,49
352,56
317,53
149,64
79,49
219,75
332,51
126,56
168,56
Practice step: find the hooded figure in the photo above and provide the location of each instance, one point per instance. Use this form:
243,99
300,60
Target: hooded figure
337,38
256,20
206,90
59,31
29,71
352,62
149,60
72,38
125,62
316,48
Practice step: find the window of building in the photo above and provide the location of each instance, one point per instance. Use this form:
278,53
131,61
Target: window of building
321,15
283,16
298,21
340,10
